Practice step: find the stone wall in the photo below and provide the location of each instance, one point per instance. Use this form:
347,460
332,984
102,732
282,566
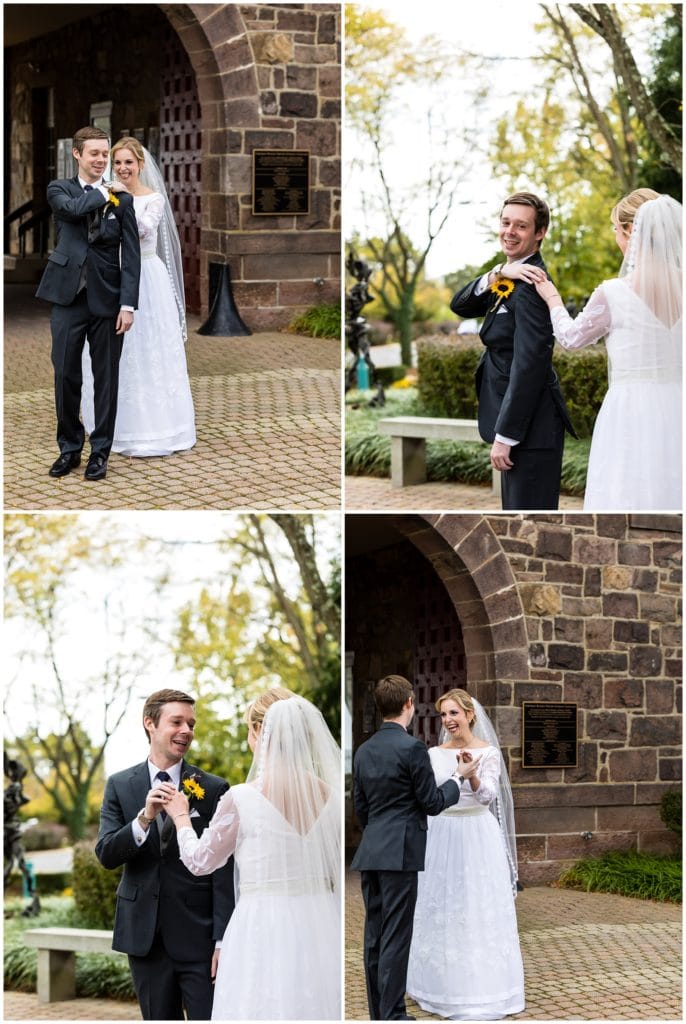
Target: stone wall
576,608
602,602
272,81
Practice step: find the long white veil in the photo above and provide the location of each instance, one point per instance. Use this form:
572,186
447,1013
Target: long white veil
297,767
652,263
503,806
168,244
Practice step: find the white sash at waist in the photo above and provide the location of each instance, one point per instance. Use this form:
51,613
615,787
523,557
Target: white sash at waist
652,375
278,886
470,809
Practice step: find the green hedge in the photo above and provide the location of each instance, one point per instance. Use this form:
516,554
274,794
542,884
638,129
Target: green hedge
671,810
46,884
446,381
318,321
95,888
641,875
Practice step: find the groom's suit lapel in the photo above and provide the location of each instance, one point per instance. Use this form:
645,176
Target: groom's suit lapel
167,829
535,260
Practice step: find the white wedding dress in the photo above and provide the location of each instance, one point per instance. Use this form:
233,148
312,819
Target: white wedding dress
636,450
280,957
465,960
154,409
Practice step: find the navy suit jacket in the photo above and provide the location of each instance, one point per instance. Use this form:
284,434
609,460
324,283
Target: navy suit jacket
395,789
93,231
156,889
518,390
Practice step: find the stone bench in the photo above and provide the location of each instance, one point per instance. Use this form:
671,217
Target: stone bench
409,435
57,948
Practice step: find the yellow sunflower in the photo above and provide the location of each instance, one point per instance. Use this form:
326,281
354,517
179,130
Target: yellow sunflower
503,287
193,789
112,198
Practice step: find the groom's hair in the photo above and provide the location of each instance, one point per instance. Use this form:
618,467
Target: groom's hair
156,701
84,134
539,206
391,695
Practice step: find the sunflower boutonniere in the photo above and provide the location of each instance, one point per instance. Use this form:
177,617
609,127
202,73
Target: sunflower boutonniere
192,787
112,201
502,288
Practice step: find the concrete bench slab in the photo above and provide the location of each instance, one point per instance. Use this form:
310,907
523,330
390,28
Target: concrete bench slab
409,435
57,948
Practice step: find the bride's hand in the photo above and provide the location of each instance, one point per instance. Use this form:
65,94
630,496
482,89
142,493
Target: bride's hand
467,764
523,272
177,805
548,292
118,186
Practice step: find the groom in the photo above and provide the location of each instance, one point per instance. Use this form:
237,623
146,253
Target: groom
394,791
167,919
92,280
521,409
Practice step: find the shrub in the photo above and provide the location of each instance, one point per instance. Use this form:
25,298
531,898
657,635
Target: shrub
318,322
95,888
46,835
446,381
645,876
671,810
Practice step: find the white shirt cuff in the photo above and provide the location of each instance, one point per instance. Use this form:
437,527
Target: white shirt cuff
506,440
127,309
482,285
139,833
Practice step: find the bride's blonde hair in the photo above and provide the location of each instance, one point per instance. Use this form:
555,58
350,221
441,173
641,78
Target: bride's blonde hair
462,698
626,209
256,710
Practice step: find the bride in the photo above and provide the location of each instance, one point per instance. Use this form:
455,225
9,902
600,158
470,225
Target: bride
465,960
636,450
155,409
280,957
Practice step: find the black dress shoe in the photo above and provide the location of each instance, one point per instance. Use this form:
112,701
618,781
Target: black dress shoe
96,468
66,462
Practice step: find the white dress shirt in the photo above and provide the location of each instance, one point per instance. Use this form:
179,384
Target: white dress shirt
139,833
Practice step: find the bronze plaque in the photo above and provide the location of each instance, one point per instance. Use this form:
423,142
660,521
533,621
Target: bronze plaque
549,735
281,182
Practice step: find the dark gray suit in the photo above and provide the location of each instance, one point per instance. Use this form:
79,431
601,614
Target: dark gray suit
395,789
167,919
96,243
518,390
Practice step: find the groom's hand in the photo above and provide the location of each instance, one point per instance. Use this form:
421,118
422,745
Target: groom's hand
500,456
215,964
124,321
157,799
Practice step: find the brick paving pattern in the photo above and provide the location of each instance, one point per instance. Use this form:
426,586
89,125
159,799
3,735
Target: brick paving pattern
267,418
25,1006
587,956
366,492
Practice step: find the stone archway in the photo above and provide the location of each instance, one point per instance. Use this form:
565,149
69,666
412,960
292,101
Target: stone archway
468,557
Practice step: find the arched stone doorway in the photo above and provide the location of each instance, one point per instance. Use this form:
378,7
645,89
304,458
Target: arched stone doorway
216,82
396,566
466,556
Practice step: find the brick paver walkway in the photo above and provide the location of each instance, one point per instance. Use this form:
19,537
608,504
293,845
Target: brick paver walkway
25,1006
267,418
364,492
587,956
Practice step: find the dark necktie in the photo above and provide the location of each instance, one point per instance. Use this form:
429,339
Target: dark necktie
163,777
87,188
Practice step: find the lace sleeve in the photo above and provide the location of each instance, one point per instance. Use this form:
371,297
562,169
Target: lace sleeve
591,324
204,854
488,776
149,216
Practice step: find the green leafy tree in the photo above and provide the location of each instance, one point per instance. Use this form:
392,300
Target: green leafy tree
47,561
384,69
273,619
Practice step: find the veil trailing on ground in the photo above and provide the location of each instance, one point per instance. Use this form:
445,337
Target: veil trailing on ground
297,767
503,806
168,244
653,260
